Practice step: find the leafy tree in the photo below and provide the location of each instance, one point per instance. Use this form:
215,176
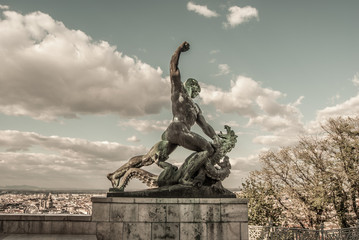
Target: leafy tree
262,204
342,145
305,183
302,192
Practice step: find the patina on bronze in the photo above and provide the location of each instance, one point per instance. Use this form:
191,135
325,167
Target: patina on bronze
203,170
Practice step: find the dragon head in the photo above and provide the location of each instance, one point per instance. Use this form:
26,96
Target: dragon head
227,140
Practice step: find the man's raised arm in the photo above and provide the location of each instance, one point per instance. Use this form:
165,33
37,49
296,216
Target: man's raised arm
184,47
174,71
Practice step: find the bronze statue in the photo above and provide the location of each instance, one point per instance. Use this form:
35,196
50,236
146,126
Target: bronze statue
185,114
199,169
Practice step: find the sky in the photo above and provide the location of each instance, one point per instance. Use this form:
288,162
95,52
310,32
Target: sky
85,84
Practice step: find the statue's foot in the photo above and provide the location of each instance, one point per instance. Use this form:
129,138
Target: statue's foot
114,181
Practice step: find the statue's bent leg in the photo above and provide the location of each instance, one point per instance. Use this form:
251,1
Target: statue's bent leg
191,141
158,151
194,142
134,162
146,177
164,149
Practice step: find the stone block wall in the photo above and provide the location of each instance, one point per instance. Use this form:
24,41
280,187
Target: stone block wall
171,218
46,224
116,218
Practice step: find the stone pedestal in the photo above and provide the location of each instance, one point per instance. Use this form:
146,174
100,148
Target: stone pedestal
170,218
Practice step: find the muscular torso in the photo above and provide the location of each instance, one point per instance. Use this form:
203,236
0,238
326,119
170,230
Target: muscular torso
184,110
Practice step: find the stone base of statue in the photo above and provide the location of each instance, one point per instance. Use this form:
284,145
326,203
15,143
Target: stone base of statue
176,191
170,218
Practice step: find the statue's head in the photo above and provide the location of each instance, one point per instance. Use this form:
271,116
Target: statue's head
192,87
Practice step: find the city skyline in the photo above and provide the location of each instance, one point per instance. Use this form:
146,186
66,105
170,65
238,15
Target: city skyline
85,85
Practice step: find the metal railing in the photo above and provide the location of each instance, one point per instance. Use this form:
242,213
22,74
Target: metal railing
280,233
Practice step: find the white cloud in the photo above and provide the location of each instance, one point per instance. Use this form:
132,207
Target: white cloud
241,98
247,164
335,98
223,69
210,117
277,140
283,122
355,79
133,139
51,159
4,7
53,171
214,52
349,107
231,123
16,141
238,15
142,50
50,71
260,105
271,123
146,125
241,167
201,10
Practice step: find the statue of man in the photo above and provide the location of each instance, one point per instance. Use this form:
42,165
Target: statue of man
186,113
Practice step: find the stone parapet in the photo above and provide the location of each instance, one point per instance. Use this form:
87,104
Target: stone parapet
46,224
142,218
170,218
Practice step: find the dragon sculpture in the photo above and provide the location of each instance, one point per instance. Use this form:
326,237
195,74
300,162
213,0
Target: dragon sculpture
197,169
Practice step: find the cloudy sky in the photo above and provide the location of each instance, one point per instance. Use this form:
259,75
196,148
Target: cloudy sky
84,85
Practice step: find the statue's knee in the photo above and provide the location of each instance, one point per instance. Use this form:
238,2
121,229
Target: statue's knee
210,150
109,176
